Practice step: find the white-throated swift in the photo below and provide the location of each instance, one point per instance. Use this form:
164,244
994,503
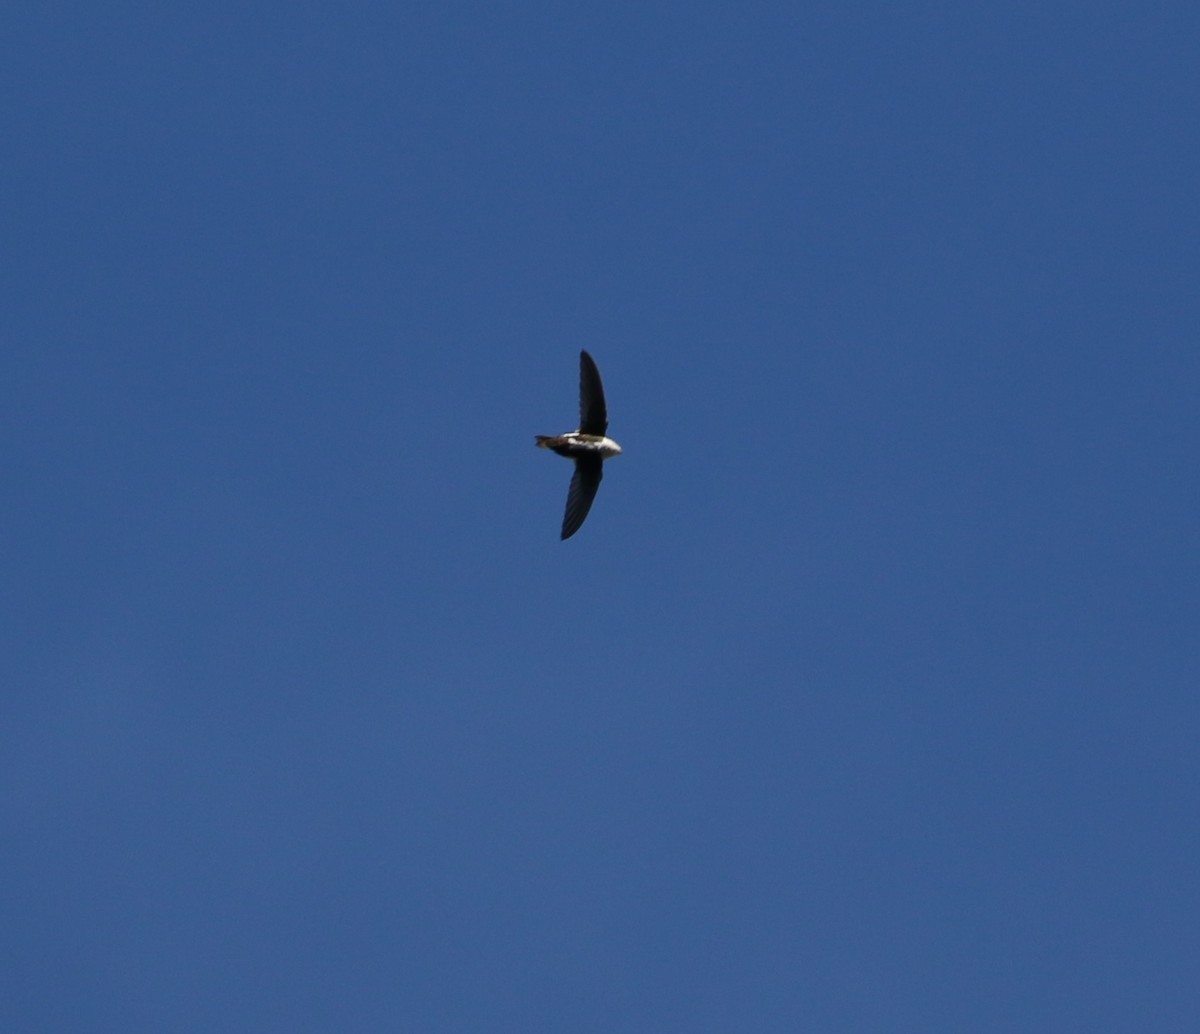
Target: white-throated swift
589,447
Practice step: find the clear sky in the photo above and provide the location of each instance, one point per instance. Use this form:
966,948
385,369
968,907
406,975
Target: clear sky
867,697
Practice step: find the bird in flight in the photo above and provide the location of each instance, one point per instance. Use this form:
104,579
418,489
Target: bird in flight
589,447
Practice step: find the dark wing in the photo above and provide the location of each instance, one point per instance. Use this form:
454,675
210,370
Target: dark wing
584,482
593,416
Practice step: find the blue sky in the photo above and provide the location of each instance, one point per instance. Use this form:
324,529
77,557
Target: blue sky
866,698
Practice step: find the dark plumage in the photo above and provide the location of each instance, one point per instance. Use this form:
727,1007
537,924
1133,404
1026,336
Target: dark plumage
589,446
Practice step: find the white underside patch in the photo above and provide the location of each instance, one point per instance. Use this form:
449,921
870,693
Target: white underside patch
605,447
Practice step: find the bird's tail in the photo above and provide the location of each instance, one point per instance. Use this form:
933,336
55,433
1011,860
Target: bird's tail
543,440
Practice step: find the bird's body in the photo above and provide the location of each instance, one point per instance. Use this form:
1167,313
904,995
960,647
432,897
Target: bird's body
574,445
589,446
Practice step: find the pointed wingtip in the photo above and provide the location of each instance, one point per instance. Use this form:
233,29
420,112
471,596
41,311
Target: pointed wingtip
589,471
593,413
